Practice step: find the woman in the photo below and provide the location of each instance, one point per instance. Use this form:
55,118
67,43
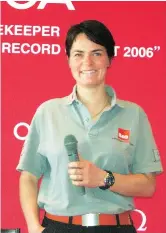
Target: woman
118,157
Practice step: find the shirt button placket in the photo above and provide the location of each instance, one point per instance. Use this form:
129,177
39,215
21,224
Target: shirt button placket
93,133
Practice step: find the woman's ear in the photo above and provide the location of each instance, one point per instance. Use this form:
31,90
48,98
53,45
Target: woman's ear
67,57
68,60
109,63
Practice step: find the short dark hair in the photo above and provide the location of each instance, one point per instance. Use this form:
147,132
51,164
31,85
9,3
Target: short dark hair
95,31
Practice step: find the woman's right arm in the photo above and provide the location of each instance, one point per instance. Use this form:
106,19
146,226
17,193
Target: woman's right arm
28,199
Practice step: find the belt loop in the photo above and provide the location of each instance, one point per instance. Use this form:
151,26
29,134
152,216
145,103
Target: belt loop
131,220
70,219
69,227
117,220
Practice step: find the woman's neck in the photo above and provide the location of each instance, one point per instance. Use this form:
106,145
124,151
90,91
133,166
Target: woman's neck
95,99
92,96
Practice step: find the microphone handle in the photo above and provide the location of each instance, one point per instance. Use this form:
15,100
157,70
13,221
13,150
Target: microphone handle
79,189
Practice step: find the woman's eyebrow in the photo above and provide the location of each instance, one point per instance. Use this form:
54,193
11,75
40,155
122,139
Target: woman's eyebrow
81,51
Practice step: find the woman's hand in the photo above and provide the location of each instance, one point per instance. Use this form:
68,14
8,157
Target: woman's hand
85,173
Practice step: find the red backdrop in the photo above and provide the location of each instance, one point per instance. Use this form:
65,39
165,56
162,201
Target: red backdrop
137,74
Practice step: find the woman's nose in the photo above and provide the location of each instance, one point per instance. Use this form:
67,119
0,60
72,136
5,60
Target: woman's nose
87,59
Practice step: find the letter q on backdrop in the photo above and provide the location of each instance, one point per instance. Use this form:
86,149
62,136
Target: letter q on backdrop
35,69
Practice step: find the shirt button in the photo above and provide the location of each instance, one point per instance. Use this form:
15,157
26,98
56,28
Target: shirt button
87,119
93,134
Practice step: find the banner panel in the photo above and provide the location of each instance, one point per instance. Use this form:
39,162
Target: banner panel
35,69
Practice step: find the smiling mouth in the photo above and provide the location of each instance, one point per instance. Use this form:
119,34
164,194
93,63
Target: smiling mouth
88,71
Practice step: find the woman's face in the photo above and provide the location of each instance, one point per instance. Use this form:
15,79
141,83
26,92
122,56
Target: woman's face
88,61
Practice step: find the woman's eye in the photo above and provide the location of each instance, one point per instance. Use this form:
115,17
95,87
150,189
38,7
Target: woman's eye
77,54
97,54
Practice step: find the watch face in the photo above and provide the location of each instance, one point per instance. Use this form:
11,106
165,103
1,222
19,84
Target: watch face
110,180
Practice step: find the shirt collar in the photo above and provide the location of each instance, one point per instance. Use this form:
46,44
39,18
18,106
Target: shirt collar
110,91
72,97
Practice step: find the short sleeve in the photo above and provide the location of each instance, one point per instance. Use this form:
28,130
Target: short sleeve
146,157
31,160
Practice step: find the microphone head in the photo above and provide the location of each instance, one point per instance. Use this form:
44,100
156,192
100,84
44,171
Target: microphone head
70,143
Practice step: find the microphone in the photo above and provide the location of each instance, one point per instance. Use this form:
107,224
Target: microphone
70,143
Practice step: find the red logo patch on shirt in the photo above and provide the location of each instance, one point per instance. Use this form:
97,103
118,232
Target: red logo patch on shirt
123,134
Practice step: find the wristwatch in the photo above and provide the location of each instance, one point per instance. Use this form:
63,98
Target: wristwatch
109,180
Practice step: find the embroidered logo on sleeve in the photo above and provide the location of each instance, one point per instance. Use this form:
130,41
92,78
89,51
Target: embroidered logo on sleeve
123,134
156,155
